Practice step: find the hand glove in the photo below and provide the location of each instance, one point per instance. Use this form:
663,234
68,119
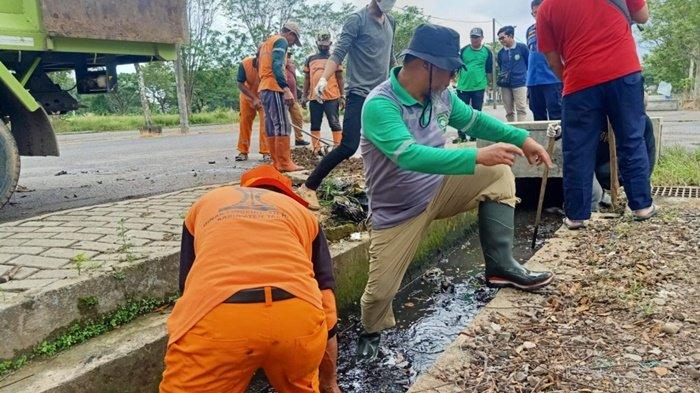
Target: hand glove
554,130
320,88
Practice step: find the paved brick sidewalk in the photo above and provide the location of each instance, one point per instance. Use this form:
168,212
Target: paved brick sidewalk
60,246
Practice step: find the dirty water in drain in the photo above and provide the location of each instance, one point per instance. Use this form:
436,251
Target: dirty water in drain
432,307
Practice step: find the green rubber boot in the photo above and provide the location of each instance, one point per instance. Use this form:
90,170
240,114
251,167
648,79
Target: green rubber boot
496,227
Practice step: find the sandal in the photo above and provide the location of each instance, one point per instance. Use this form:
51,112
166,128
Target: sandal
266,158
652,213
574,225
242,157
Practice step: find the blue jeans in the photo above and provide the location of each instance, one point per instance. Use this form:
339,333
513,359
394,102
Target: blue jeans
545,101
622,102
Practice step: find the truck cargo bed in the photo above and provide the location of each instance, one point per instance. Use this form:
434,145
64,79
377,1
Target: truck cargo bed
157,21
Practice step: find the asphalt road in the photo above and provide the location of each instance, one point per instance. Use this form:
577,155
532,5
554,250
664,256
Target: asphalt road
103,167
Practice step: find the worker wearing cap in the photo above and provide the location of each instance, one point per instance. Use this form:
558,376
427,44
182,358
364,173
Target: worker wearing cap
276,95
295,114
251,106
331,100
257,285
477,73
412,179
367,41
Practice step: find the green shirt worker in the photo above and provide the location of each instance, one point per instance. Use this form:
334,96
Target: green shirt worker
412,179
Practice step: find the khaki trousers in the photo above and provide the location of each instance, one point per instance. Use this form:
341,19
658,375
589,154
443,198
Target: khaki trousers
392,249
297,120
515,100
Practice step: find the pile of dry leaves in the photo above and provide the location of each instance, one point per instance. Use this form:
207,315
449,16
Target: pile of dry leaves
622,317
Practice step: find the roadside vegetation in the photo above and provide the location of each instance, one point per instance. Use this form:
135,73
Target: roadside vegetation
91,122
677,166
83,331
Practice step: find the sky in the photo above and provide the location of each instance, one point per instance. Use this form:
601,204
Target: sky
461,14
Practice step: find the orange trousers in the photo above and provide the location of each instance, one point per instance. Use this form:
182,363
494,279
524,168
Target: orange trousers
246,118
287,339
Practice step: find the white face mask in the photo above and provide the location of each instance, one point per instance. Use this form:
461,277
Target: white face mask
386,5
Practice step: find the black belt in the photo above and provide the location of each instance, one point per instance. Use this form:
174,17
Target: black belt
257,295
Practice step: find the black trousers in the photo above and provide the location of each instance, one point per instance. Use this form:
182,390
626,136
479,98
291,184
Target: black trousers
349,144
330,108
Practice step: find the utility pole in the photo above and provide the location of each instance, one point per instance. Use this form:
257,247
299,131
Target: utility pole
493,62
181,95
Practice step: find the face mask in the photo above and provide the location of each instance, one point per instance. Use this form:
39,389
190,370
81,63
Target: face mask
386,5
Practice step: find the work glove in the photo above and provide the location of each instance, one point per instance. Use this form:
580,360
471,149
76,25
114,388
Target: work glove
320,88
554,130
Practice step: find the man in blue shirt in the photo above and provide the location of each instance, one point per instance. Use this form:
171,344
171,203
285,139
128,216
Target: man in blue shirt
544,88
512,73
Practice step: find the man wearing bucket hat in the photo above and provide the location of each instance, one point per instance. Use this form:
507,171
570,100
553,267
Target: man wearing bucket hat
412,179
257,286
276,95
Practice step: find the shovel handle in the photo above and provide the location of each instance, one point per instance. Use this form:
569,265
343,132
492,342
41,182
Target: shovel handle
543,187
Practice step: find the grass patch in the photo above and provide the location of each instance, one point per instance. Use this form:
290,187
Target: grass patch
81,123
85,330
677,166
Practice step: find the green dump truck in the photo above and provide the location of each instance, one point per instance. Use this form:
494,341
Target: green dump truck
88,37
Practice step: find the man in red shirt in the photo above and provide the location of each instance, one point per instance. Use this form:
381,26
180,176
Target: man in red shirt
589,45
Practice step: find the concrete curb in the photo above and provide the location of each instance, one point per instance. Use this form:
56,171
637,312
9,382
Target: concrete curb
130,359
504,304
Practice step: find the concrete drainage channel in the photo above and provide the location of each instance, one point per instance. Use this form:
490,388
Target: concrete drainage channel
440,297
129,359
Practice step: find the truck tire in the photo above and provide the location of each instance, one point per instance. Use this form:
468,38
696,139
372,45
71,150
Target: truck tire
9,164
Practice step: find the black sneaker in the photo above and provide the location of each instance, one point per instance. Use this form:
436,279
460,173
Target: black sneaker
300,142
368,347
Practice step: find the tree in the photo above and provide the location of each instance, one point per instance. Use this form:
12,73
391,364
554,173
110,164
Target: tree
674,49
254,22
407,20
143,96
196,54
160,85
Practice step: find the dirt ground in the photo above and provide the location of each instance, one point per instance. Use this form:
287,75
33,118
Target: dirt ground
623,317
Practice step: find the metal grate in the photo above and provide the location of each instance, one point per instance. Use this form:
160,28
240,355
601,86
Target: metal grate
677,192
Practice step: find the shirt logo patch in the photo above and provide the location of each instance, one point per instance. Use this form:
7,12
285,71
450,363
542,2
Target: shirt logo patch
442,120
517,57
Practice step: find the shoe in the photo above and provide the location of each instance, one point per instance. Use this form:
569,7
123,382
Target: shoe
309,196
574,225
301,142
242,157
496,227
265,158
368,347
283,155
654,210
457,141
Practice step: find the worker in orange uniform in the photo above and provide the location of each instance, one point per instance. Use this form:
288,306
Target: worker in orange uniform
331,101
276,95
250,106
257,286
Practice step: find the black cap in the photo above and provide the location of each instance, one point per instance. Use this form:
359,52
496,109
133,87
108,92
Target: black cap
476,32
438,45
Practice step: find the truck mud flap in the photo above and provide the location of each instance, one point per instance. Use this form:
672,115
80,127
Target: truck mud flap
32,131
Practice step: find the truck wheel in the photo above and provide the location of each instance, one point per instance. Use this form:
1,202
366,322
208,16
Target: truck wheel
9,164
